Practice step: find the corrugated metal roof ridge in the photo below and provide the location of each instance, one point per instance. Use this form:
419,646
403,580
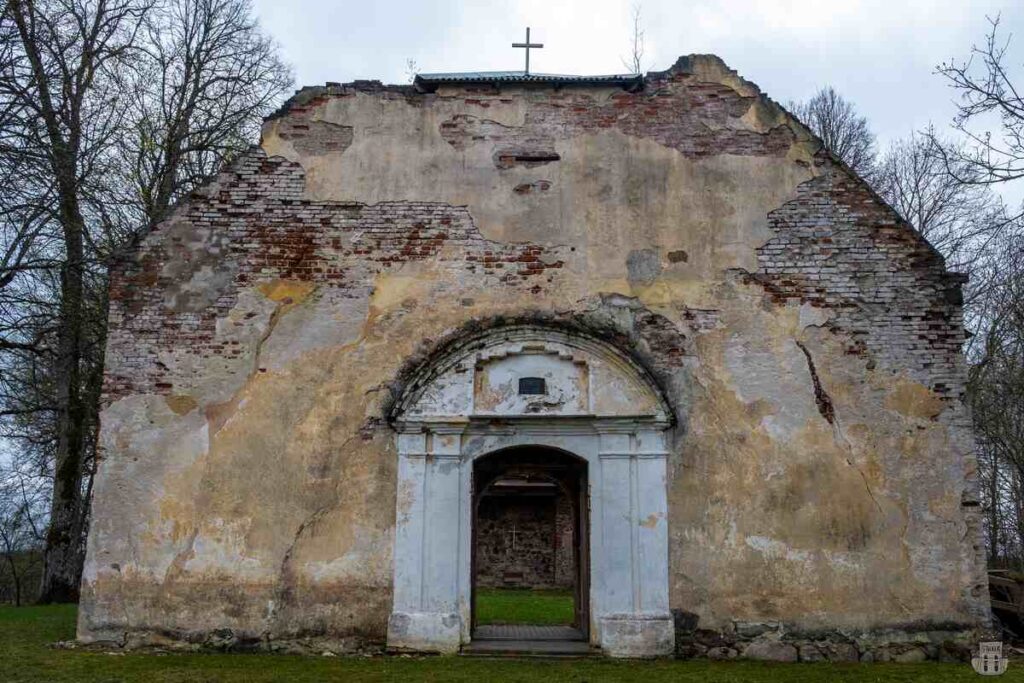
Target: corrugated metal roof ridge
519,75
434,79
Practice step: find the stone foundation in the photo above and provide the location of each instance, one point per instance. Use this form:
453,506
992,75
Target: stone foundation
774,641
226,641
764,641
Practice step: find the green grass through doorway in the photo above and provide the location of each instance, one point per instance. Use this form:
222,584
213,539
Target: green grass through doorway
524,606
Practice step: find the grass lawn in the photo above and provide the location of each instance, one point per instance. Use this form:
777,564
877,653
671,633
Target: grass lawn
523,606
26,632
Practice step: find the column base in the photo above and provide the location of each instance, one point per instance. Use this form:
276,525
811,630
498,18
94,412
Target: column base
425,632
637,635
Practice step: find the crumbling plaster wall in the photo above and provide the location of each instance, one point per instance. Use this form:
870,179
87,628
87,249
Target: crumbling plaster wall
821,473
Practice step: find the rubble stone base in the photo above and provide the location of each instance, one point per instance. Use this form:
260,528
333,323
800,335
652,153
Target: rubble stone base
775,641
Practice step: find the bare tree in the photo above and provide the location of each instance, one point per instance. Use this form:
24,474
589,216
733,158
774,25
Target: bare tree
996,393
199,93
110,110
843,131
987,93
22,502
63,75
964,222
411,69
634,62
988,96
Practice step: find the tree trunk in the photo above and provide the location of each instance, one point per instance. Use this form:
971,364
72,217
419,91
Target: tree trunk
17,585
15,579
62,560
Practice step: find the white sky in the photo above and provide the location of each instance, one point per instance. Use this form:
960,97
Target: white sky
881,54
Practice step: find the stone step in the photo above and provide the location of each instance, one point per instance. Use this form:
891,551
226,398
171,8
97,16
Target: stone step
528,648
526,632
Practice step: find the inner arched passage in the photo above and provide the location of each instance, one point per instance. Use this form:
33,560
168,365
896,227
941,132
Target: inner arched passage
530,544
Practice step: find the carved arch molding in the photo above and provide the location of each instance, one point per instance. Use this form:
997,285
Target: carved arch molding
598,404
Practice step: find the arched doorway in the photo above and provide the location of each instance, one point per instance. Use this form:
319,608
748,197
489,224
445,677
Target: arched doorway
530,556
528,387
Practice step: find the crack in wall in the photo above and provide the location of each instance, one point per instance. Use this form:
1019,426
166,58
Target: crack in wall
275,317
821,397
867,487
177,565
124,606
828,411
284,584
282,593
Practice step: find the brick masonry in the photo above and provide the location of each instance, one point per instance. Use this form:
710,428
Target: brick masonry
255,224
838,247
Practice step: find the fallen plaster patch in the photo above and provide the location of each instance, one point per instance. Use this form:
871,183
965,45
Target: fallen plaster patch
913,399
181,404
286,291
813,316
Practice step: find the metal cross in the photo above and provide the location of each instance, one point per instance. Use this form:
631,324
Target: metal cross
513,523
528,45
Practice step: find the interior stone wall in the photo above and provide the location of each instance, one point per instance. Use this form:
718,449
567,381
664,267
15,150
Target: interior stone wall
565,551
528,561
821,474
542,555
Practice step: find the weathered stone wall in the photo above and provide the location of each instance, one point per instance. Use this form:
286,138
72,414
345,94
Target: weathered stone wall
516,542
821,475
565,551
540,555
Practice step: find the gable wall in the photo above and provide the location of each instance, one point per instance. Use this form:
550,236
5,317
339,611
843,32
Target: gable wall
821,473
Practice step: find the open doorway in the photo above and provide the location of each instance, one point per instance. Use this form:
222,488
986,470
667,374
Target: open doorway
530,557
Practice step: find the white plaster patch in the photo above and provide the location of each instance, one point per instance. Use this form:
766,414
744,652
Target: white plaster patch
845,561
361,563
777,376
221,543
774,549
131,483
330,317
777,429
813,316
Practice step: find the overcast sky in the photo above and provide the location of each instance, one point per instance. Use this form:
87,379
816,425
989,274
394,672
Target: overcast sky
879,53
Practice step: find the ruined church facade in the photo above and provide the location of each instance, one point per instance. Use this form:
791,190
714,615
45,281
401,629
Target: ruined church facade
750,362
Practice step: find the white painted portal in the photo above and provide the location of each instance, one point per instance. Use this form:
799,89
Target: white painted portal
599,406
